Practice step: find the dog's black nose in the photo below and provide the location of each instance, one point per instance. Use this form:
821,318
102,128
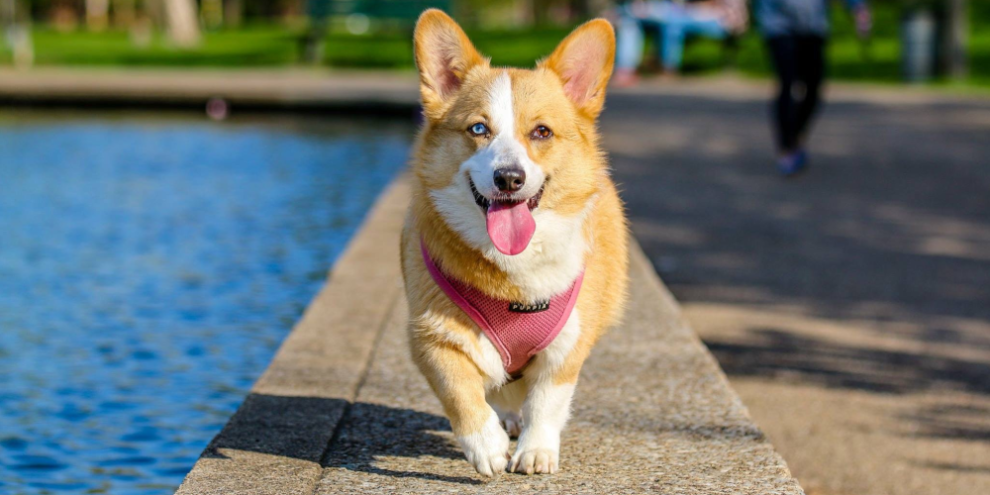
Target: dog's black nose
510,180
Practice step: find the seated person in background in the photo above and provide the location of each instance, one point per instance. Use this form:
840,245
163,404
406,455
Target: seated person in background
674,21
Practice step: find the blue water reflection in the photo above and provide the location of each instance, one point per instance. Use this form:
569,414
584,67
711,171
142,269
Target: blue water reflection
149,269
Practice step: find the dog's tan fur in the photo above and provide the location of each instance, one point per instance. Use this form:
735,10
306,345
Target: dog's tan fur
565,93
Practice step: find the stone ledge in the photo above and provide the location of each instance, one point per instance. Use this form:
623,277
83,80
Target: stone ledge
295,90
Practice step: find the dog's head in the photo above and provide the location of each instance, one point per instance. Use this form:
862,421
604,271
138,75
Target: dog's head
506,153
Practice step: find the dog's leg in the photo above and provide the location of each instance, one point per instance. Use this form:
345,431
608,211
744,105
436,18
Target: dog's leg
459,384
511,421
550,383
545,412
507,402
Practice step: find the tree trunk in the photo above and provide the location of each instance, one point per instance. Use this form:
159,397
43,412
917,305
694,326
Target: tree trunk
580,10
233,12
8,11
211,12
123,13
955,38
541,12
15,31
183,26
96,14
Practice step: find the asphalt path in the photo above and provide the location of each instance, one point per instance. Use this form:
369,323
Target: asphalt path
850,307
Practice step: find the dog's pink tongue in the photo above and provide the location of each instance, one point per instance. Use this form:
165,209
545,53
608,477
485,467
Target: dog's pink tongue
510,226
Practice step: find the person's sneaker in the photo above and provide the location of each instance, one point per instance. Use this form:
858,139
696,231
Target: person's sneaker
792,163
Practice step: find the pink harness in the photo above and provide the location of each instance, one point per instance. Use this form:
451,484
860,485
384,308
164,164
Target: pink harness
518,330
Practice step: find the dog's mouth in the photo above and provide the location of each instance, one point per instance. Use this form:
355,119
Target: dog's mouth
485,203
509,220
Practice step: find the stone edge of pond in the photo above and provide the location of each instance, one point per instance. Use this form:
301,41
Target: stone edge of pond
280,437
299,91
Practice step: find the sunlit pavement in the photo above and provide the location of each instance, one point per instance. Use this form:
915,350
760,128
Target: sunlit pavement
850,307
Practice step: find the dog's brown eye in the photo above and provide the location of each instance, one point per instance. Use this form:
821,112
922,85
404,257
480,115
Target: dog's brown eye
541,132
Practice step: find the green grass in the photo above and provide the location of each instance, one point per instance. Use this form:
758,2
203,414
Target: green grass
256,46
270,46
279,46
394,50
849,58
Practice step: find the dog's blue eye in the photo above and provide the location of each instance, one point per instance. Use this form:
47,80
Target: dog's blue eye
478,129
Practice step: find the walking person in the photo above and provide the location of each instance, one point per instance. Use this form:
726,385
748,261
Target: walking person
795,33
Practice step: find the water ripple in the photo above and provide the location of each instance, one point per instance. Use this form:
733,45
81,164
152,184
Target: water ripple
148,270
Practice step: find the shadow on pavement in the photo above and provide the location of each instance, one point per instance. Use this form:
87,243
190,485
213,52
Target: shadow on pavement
887,234
776,353
891,221
297,427
952,421
953,467
370,431
278,425
891,224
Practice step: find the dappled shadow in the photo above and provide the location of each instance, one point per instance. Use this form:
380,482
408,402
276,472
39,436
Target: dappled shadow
890,225
893,212
372,431
775,353
294,427
951,421
300,428
946,466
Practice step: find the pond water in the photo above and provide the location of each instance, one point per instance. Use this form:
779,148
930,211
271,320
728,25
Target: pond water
149,268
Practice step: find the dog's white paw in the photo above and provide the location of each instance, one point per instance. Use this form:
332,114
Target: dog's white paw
538,452
535,461
512,423
488,449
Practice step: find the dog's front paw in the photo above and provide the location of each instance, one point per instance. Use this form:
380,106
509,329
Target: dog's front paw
488,449
538,452
535,460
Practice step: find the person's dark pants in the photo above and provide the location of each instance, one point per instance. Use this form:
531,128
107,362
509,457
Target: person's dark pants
800,65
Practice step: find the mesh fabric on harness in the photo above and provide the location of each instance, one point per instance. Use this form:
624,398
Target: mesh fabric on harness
518,330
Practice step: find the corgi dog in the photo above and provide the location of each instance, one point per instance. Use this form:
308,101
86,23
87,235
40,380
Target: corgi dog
514,250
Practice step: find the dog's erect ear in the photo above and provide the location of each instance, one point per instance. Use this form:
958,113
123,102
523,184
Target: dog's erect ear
584,63
444,55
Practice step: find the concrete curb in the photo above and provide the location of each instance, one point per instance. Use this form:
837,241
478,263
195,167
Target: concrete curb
342,409
295,90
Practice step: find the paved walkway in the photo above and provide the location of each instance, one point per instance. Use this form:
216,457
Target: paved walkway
342,408
849,307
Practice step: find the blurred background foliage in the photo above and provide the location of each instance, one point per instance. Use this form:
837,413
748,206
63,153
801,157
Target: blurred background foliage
376,34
